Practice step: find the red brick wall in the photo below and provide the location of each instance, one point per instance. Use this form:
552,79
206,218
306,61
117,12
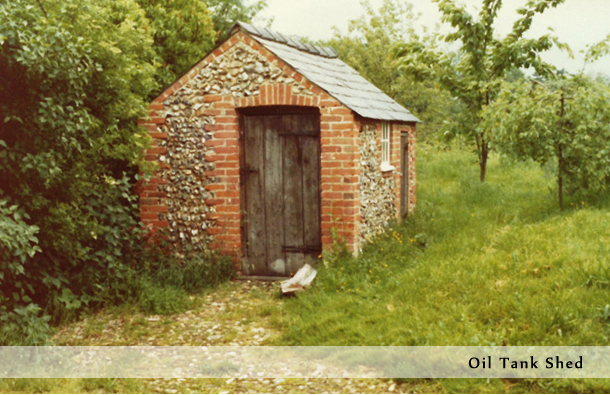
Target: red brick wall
340,164
224,153
150,194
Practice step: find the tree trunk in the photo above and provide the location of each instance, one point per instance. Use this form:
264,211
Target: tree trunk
560,177
483,160
484,148
560,164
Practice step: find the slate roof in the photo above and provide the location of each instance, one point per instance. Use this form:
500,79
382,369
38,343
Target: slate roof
321,66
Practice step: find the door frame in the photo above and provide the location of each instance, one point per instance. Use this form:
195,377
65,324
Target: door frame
404,178
269,111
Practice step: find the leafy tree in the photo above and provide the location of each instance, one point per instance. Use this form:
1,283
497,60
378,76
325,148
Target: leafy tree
514,75
75,78
365,48
73,83
565,120
183,32
226,12
475,73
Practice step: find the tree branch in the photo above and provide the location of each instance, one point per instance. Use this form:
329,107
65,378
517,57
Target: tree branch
42,8
540,83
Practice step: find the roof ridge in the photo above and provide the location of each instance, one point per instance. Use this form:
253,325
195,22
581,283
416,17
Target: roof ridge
292,41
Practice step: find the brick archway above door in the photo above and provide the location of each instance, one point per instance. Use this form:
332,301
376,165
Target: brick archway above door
283,95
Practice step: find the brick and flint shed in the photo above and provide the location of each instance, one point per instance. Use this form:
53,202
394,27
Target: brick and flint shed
267,145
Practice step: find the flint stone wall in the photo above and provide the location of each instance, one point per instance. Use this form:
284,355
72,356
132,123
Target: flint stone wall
377,192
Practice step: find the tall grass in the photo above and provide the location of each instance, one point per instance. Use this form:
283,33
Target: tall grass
478,264
162,284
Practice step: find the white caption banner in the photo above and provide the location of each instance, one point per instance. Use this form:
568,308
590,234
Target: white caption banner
304,362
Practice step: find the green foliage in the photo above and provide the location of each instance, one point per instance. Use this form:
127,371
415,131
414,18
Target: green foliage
163,286
194,274
183,33
73,84
24,326
18,242
514,75
226,12
75,78
474,74
73,386
20,320
186,30
566,122
366,47
596,51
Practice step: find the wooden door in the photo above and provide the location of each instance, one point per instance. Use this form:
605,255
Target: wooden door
281,199
404,170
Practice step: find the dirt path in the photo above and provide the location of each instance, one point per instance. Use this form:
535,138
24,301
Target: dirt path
235,314
242,313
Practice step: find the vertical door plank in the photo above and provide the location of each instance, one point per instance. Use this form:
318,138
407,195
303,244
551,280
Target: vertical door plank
311,185
274,196
254,181
293,195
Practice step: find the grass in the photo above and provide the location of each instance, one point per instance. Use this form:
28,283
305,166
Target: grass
478,264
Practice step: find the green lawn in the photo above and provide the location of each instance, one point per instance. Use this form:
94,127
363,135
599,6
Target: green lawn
478,264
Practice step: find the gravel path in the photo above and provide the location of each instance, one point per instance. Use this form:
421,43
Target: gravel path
241,313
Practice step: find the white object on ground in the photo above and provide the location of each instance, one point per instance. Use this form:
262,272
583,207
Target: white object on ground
301,280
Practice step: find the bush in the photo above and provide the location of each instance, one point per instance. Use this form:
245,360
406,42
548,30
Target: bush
20,320
76,76
69,148
17,243
24,326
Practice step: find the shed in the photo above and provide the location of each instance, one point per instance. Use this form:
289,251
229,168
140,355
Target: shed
269,148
